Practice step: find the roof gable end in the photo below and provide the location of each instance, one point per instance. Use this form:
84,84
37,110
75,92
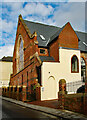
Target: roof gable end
67,37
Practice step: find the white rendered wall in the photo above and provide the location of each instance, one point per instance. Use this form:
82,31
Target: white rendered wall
52,72
5,71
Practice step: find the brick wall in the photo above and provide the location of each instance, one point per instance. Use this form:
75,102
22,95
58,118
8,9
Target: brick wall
84,55
68,37
74,102
28,75
29,46
54,50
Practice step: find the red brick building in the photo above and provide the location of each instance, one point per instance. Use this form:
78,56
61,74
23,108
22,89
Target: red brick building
42,53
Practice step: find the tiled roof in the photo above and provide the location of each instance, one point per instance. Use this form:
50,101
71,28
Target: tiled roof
7,59
83,39
47,33
56,34
41,29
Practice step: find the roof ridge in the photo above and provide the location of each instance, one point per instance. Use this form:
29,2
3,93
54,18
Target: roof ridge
52,25
58,32
42,24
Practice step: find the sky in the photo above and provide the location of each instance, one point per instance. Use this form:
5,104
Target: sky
48,12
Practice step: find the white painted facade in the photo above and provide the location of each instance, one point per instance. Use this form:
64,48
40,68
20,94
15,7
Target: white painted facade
52,72
5,71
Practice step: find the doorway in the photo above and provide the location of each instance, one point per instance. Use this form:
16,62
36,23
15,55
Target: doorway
52,88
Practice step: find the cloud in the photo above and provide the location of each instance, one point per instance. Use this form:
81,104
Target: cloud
13,6
76,0
29,8
71,12
10,14
11,10
49,13
7,32
6,51
44,20
16,6
0,24
44,1
34,0
7,26
37,9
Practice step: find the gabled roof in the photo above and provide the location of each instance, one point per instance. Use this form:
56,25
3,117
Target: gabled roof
41,29
7,59
47,33
56,34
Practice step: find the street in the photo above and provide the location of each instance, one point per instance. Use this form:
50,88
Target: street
14,111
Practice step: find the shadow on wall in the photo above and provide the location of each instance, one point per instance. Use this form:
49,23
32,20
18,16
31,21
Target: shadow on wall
81,89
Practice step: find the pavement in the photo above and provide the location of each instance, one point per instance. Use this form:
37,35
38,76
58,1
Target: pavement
64,114
46,103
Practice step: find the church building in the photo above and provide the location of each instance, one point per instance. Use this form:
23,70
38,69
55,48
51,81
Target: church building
44,54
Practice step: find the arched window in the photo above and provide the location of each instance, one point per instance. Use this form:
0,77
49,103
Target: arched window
20,54
83,69
74,64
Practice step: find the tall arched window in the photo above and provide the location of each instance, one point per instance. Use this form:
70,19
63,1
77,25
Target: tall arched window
20,54
83,69
74,64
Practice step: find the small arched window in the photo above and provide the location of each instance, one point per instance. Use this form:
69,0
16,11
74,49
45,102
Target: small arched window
74,64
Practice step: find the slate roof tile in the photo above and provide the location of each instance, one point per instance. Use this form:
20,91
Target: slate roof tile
51,32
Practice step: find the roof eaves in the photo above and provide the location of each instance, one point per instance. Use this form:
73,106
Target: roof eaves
46,58
7,59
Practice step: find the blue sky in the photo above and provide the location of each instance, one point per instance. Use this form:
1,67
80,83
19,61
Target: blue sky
52,13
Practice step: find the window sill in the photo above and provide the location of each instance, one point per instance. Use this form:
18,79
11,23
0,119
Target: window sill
74,71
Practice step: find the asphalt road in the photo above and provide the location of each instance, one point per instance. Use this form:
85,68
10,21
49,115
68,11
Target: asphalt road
11,111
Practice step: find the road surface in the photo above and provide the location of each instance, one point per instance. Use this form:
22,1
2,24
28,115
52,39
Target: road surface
11,111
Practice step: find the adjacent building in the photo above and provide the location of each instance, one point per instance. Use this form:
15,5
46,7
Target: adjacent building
6,65
44,54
